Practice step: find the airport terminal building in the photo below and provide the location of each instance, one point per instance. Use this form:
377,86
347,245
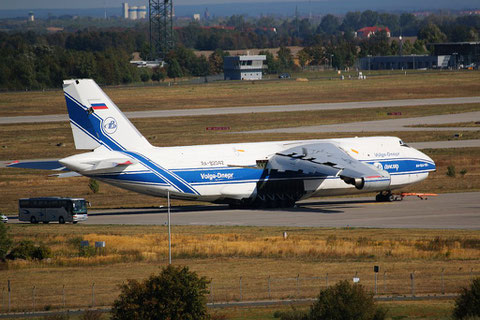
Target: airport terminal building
244,67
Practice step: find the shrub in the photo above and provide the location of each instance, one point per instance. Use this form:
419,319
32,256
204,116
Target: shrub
41,252
91,315
93,185
57,316
22,250
467,305
463,172
346,301
451,171
145,76
293,314
87,251
75,241
176,293
5,241
26,249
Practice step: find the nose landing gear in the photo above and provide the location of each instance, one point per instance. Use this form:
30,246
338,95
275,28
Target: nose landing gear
385,196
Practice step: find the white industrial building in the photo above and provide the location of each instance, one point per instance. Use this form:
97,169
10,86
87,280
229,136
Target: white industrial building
134,12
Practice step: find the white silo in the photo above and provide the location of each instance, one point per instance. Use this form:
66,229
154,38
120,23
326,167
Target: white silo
132,12
142,12
125,10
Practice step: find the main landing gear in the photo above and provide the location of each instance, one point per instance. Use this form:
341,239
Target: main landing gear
385,196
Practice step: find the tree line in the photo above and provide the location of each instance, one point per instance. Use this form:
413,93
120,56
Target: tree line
37,60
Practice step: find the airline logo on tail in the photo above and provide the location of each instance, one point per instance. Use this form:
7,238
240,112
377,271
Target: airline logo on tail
110,125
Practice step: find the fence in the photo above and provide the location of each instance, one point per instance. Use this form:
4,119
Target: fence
58,297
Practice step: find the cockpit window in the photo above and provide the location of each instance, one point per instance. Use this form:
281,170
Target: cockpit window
403,144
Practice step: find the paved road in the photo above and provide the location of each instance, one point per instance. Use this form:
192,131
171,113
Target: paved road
447,211
258,109
389,125
474,143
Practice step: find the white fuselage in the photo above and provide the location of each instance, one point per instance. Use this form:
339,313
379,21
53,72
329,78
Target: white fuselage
214,173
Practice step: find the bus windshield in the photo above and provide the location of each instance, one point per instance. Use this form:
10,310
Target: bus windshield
79,206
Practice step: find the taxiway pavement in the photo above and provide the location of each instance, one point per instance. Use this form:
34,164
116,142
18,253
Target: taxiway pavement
390,125
258,109
446,211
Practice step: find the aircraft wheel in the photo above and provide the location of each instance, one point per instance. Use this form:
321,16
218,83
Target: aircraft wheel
385,196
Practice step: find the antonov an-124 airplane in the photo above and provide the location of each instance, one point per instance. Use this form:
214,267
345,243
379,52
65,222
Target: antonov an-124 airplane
263,174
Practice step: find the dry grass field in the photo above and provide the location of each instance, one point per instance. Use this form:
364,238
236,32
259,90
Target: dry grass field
230,94
296,267
447,125
293,268
54,140
425,310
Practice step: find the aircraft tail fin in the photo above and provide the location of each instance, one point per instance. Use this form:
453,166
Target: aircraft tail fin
97,121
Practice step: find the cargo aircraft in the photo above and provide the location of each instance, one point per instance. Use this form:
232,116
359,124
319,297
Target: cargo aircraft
262,174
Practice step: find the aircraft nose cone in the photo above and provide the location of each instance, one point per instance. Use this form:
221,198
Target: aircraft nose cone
431,164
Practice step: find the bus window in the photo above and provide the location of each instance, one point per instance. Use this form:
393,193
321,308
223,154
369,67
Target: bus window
25,204
79,206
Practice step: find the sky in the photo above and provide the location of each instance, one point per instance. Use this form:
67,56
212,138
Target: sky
345,5
60,4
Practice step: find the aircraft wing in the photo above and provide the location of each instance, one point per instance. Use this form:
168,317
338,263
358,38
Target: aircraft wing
328,159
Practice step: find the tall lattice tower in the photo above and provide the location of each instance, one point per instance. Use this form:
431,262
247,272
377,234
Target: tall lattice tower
160,13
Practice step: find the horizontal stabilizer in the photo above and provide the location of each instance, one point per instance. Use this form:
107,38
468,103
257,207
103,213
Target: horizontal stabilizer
110,164
89,163
70,174
37,164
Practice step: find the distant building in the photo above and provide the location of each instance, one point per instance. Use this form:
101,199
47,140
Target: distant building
31,16
196,16
125,10
404,62
463,53
367,32
132,13
243,67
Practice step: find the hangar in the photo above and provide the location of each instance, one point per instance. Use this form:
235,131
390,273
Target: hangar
404,62
462,52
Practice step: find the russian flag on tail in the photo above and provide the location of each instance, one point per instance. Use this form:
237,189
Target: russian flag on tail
99,106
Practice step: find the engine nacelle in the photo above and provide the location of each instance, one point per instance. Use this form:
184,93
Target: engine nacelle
377,183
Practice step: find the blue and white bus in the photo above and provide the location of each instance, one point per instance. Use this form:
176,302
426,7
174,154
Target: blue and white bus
45,210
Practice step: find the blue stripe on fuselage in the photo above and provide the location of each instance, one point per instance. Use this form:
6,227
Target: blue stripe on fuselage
404,166
176,181
227,175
